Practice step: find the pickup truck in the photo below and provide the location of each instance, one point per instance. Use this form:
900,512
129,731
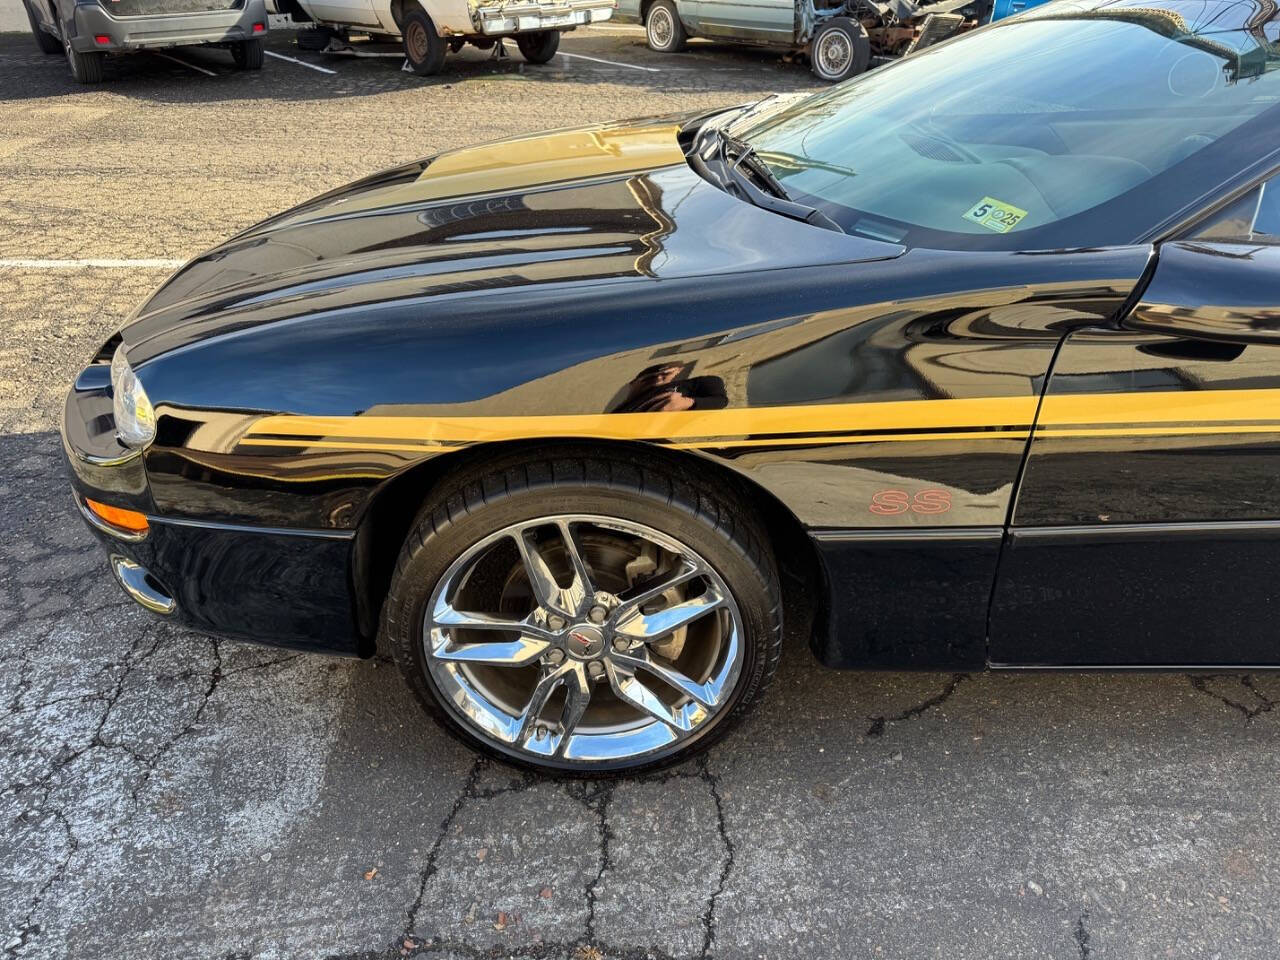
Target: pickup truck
86,31
429,29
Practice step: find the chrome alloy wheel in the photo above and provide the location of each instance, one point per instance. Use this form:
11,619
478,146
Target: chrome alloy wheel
583,639
833,53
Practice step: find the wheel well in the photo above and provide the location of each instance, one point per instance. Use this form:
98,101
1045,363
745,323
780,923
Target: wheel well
293,10
400,7
395,506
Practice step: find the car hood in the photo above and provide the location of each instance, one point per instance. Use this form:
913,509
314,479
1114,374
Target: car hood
591,205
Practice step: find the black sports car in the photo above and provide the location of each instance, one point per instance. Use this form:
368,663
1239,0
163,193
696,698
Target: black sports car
982,349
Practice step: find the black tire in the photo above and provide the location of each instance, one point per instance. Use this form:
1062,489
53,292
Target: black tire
314,39
248,54
663,30
538,47
424,48
46,41
681,504
85,67
840,49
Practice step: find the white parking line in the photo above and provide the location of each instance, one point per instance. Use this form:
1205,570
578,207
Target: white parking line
301,63
210,73
77,264
612,63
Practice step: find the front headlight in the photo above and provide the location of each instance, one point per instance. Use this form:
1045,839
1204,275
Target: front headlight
135,419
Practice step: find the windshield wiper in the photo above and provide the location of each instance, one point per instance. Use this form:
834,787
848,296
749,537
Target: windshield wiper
733,165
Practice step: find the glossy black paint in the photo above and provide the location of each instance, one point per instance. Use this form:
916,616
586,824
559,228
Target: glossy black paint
907,600
1213,291
1152,595
647,290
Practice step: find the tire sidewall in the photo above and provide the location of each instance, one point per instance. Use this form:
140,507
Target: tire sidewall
540,47
44,39
854,36
667,10
436,47
420,570
85,67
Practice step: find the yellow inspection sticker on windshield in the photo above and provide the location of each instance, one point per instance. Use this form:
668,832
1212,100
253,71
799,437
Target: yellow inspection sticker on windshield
995,214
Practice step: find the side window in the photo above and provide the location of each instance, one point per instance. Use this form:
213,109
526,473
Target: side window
1254,217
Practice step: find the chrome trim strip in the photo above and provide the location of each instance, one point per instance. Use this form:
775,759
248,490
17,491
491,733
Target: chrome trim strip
1191,670
246,528
1160,528
879,534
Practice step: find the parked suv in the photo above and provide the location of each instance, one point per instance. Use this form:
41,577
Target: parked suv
87,30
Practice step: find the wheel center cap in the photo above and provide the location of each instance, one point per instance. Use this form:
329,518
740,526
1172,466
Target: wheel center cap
585,642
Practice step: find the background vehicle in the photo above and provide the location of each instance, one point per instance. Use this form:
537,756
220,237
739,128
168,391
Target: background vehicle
841,37
1007,8
87,31
429,29
997,381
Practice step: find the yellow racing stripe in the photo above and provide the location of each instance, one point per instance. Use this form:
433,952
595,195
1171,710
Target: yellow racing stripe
1159,406
1153,413
706,427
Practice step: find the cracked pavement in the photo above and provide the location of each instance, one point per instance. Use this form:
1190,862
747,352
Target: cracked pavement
165,794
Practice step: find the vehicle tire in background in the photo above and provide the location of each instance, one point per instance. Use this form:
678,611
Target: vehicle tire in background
538,47
46,41
662,28
247,54
424,48
619,616
85,67
840,50
314,39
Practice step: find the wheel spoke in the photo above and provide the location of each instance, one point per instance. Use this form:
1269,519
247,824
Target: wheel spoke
577,694
630,688
542,692
582,585
565,601
446,615
683,574
650,626
508,653
705,693
545,588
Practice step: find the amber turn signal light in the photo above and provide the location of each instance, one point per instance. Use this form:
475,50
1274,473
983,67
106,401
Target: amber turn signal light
131,521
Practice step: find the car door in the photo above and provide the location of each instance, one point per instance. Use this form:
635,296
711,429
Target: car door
765,21
1147,524
345,12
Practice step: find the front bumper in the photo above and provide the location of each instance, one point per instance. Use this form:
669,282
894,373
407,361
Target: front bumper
518,17
283,587
92,21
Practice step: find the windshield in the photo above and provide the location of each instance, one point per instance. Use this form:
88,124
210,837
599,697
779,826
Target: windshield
1062,127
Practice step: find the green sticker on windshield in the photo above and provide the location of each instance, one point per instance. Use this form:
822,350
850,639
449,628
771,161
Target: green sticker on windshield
995,214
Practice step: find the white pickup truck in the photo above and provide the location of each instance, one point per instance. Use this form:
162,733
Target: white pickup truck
431,28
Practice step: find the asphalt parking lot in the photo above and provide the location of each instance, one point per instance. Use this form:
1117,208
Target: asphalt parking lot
163,794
